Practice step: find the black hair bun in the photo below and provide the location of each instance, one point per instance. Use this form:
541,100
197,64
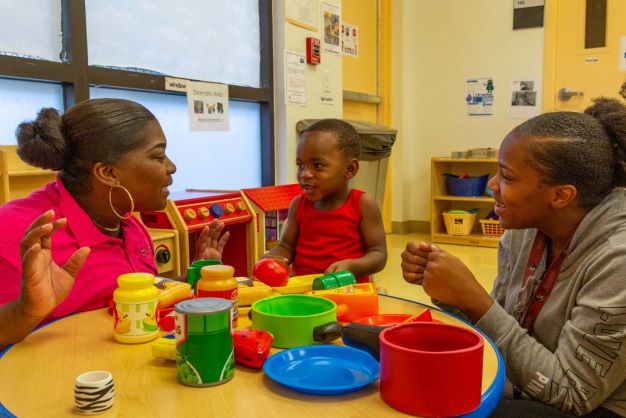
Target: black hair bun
41,142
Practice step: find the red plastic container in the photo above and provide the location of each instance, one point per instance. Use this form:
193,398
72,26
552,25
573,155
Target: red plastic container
431,369
252,347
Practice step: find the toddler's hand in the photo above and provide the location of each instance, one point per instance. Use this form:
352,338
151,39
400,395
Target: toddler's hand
338,266
282,260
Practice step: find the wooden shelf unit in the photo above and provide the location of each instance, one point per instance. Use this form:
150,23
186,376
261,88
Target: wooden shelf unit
18,179
441,201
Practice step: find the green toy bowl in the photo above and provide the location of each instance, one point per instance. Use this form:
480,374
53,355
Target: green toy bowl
293,319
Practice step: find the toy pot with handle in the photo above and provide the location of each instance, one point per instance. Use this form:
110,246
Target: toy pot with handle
364,333
431,369
296,320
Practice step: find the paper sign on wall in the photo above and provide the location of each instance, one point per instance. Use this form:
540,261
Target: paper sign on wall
208,106
525,97
349,40
176,84
295,78
479,97
332,27
303,13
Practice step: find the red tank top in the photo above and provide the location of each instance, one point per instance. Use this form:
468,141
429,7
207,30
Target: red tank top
327,236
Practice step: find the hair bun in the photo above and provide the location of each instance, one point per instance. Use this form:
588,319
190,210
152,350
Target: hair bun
611,113
41,142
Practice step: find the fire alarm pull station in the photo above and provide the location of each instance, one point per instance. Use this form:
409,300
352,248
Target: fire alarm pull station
312,50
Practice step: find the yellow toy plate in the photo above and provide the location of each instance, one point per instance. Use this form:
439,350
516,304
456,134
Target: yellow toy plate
297,284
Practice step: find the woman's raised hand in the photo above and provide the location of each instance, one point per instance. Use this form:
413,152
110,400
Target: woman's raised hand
44,283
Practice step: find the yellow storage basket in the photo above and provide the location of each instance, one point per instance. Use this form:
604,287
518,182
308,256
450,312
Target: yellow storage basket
459,223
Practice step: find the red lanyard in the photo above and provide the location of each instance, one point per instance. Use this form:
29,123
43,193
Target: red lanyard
547,282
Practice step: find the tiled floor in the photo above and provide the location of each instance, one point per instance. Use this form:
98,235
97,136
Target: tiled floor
481,261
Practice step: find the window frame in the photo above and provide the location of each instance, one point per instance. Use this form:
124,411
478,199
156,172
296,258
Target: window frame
76,75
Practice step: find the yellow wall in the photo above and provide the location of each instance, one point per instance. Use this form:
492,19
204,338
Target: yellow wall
437,46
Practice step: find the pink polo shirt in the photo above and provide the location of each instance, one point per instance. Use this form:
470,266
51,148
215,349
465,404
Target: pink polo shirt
109,256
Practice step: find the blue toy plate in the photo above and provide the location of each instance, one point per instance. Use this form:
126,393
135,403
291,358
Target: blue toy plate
322,369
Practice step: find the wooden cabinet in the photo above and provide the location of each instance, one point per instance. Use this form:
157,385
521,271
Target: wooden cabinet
18,179
441,201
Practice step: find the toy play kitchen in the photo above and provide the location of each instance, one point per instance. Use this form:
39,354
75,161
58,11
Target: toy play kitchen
190,211
296,320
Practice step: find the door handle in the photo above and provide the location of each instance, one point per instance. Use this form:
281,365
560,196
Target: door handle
565,94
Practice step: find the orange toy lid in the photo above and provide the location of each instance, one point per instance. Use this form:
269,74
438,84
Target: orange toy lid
217,271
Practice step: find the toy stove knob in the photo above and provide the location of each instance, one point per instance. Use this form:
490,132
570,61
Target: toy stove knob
162,255
189,215
216,210
203,212
229,208
241,206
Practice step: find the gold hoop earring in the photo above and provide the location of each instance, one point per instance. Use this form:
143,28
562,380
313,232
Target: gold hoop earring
132,202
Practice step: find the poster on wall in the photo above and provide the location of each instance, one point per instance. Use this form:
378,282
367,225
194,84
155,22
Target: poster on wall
479,96
208,106
332,28
295,78
525,97
303,13
349,40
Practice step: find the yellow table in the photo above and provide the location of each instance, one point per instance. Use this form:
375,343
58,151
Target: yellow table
37,377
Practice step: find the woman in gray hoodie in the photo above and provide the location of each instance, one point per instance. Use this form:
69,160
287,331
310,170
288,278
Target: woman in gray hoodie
557,310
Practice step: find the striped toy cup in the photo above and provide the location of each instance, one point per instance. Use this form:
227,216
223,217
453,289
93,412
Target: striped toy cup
94,392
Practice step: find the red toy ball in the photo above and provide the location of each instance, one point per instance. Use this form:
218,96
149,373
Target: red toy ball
271,272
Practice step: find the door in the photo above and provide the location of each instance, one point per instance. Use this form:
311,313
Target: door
582,52
366,78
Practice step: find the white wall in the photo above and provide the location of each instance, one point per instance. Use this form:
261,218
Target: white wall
437,46
293,38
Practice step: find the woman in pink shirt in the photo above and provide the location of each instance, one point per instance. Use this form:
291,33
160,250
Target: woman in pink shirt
63,246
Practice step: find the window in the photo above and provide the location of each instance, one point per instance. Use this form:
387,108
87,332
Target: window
27,33
20,101
595,24
204,160
202,40
139,71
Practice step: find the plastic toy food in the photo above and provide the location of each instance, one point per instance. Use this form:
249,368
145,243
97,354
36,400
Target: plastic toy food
164,347
251,290
334,280
353,301
171,291
252,347
271,272
135,302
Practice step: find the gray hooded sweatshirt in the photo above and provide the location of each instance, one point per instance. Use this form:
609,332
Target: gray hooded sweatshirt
575,358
